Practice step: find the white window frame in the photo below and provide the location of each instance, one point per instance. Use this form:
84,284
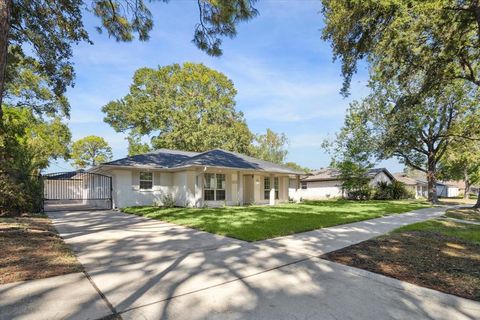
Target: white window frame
214,187
266,191
140,180
303,185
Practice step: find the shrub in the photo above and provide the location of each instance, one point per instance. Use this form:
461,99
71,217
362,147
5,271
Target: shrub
391,191
168,201
363,193
20,193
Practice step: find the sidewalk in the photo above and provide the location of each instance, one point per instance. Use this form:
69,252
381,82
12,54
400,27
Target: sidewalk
69,296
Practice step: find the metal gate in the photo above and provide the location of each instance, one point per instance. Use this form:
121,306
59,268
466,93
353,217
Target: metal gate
76,190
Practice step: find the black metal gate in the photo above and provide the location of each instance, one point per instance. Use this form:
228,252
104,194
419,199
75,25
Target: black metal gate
76,190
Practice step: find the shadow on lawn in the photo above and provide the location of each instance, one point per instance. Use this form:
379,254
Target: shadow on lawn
254,223
161,271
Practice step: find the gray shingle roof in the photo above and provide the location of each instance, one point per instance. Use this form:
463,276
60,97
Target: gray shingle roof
162,158
334,174
165,158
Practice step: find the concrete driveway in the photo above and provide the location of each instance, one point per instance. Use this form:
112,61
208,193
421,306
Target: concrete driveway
147,269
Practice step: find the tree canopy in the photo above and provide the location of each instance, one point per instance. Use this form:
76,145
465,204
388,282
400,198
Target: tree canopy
401,39
90,151
50,28
187,107
271,146
462,162
380,128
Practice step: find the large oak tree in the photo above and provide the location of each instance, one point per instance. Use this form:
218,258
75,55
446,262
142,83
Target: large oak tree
187,107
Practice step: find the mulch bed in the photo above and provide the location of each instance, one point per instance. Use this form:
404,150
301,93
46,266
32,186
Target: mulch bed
31,249
427,259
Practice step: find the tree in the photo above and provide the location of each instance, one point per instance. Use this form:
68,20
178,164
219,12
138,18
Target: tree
401,39
90,151
31,142
188,107
354,179
297,167
419,135
136,146
49,28
462,161
271,146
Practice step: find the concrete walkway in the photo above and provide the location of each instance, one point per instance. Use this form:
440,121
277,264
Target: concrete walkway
148,269
69,296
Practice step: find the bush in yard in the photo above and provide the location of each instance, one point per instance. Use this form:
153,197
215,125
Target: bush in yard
20,193
391,191
363,193
12,198
168,201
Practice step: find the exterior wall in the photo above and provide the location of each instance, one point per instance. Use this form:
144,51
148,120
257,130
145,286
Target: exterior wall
187,188
380,177
126,188
318,190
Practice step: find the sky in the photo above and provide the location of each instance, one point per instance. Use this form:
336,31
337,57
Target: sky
284,74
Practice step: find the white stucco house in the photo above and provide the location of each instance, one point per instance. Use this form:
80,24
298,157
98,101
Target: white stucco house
417,186
213,178
326,183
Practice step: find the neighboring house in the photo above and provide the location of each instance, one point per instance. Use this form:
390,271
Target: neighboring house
213,178
448,189
326,183
417,186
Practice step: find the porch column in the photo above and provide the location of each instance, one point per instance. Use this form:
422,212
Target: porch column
272,190
240,188
297,190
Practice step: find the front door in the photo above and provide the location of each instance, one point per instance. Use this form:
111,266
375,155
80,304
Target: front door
248,189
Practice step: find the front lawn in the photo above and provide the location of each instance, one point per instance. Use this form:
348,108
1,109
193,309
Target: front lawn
470,214
438,254
263,222
31,249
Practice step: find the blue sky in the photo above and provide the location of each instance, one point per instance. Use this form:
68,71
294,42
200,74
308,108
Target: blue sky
282,70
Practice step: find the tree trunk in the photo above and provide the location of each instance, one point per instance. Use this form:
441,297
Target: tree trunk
5,11
467,184
432,181
477,205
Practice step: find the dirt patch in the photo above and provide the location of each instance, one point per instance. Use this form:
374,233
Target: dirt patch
470,214
427,259
32,249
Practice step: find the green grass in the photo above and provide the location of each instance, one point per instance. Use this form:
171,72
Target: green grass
467,232
263,222
469,214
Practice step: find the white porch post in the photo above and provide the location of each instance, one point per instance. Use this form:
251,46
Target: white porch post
240,188
298,190
272,190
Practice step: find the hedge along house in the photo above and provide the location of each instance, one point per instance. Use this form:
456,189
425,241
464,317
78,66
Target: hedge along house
213,178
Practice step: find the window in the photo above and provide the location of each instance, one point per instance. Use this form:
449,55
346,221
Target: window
276,186
266,188
146,180
214,187
304,184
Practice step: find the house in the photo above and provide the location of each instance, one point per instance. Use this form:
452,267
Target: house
326,183
213,178
419,187
448,189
